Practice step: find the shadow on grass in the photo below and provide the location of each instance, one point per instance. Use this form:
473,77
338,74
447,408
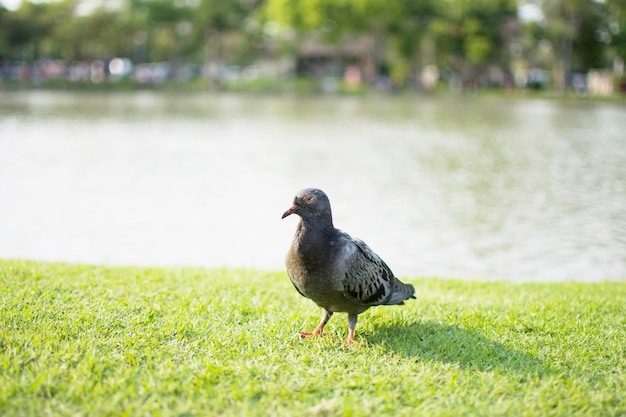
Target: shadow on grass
451,344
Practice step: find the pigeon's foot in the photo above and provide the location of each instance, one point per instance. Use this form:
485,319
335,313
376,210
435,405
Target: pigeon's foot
318,330
308,335
350,340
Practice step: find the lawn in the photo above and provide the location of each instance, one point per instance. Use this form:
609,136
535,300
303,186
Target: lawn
91,340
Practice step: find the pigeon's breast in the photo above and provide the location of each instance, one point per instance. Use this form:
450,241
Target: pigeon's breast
311,274
325,290
316,264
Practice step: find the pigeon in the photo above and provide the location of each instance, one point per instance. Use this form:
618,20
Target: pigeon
337,272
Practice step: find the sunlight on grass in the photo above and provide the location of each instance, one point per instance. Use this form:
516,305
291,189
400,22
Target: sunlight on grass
88,340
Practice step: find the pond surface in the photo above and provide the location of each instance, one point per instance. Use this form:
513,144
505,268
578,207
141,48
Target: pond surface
455,187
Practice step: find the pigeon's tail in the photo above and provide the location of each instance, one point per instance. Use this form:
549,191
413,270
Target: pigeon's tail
401,292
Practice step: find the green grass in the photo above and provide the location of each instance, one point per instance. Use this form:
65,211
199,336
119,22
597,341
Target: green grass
88,340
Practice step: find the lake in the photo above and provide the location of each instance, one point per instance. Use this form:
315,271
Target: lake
452,186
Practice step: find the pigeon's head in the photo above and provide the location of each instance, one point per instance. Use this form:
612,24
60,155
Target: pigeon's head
310,203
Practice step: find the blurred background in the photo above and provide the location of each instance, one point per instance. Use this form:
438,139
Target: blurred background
325,44
461,139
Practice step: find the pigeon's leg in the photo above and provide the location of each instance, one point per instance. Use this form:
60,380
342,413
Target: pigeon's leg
320,327
352,318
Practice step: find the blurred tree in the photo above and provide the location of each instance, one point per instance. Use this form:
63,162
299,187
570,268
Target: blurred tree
390,29
222,30
465,38
471,36
406,24
27,29
571,25
615,35
408,34
69,39
161,29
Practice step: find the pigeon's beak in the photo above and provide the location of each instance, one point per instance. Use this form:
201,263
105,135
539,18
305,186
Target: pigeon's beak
291,210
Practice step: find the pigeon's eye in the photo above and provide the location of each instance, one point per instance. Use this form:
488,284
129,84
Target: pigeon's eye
308,199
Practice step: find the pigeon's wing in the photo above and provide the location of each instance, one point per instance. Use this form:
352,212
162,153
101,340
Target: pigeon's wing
368,280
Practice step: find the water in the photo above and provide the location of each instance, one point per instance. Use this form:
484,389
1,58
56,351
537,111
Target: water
518,190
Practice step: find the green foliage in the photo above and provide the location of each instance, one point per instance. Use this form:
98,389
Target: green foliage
88,340
464,37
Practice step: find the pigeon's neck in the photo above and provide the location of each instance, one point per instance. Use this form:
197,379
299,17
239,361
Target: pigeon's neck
318,225
311,240
313,230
